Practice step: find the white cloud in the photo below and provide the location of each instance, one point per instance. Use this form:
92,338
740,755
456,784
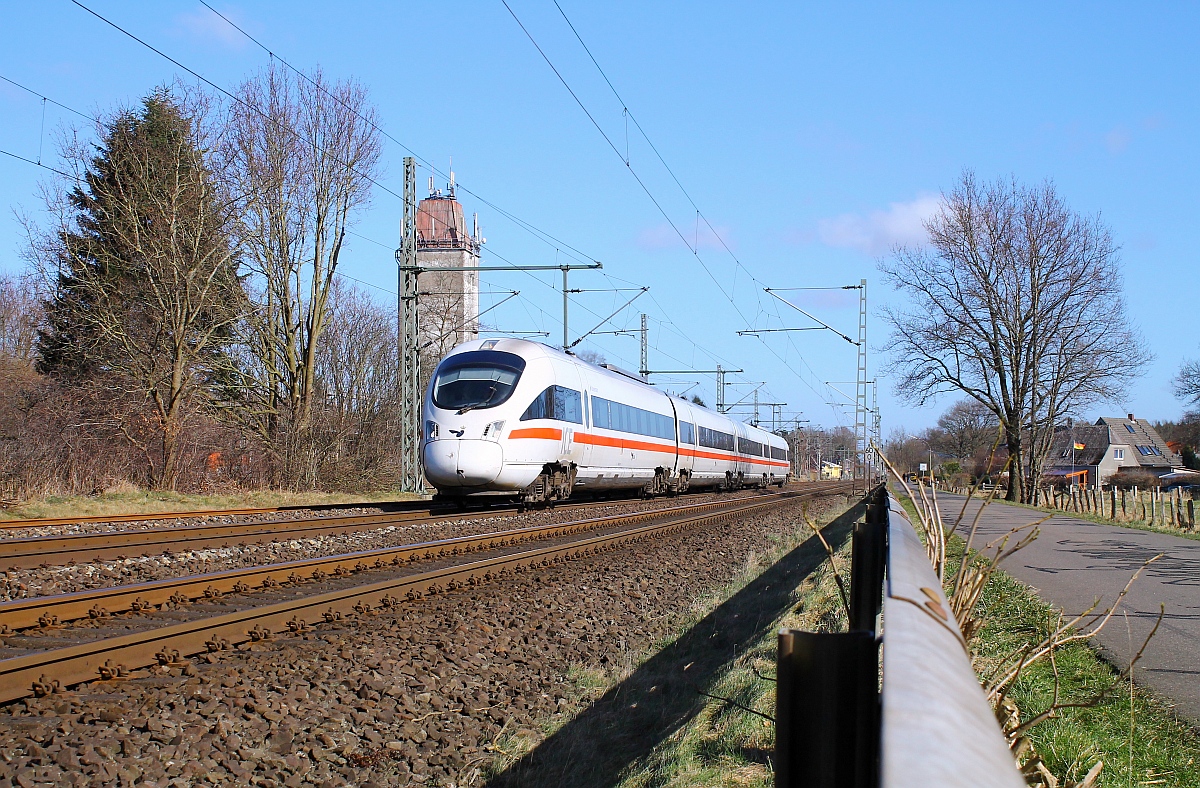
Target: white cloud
663,236
204,24
903,223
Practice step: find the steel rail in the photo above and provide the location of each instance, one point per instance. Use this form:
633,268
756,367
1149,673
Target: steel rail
58,550
30,612
45,672
43,522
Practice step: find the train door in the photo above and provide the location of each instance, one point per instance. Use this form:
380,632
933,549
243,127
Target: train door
674,470
571,450
740,465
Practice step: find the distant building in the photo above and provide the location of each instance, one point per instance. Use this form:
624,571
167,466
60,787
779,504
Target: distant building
831,470
1090,453
449,300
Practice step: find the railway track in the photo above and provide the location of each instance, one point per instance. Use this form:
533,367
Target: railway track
59,550
41,522
348,586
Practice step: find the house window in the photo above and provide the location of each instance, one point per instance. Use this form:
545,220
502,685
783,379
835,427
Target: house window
1145,451
1118,454
1130,428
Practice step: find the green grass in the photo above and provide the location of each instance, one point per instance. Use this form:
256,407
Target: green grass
1163,747
1165,750
136,501
725,745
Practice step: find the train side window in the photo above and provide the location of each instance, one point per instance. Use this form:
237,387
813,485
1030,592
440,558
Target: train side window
556,402
687,433
540,407
566,405
600,413
715,439
747,446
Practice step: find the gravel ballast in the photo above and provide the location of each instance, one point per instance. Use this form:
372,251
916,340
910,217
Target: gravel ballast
23,583
429,694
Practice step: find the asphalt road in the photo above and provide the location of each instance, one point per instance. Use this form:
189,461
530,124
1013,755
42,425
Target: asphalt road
1075,561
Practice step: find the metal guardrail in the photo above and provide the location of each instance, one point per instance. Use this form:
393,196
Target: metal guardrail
930,724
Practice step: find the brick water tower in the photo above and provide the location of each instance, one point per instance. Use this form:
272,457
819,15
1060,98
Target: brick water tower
449,298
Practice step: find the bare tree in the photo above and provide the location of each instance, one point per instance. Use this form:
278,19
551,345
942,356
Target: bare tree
20,319
357,374
595,357
1016,302
1187,382
146,291
443,323
305,153
965,429
356,366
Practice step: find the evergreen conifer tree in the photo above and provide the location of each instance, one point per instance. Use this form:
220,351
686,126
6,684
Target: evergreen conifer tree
147,293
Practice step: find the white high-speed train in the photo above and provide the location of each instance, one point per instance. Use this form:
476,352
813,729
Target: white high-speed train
513,416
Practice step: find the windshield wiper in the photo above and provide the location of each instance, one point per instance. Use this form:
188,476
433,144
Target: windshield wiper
475,405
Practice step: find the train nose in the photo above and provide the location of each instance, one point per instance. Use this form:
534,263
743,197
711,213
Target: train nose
462,463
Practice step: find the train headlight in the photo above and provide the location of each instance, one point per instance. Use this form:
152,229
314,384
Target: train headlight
492,431
431,430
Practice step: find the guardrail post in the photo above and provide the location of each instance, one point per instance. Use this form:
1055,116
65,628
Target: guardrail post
868,555
827,710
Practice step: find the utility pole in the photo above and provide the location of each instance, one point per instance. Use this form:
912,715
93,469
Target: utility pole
409,336
720,389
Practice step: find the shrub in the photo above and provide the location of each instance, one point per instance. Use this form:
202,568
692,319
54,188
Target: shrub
1133,477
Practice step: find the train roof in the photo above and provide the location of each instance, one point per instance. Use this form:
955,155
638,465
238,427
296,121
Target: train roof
529,349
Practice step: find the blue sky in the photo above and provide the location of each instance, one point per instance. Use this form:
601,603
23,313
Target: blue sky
812,137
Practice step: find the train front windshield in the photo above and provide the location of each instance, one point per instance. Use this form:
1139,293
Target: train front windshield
476,379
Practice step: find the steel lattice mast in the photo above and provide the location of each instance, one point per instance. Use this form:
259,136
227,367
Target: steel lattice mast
860,394
409,336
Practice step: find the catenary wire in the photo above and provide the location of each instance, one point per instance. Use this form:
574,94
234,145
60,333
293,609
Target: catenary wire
546,237
532,229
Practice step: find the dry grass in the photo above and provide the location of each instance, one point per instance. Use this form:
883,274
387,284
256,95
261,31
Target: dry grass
1091,517
130,500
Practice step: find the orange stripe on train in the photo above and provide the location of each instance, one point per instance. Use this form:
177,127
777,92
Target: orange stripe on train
545,433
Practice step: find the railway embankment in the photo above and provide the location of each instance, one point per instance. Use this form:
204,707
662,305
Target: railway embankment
446,691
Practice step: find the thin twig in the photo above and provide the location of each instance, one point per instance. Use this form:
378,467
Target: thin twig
837,576
735,704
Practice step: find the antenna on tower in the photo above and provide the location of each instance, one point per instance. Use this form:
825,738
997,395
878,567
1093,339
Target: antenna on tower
475,226
431,182
450,186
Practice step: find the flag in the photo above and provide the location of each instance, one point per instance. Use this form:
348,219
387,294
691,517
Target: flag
1079,446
